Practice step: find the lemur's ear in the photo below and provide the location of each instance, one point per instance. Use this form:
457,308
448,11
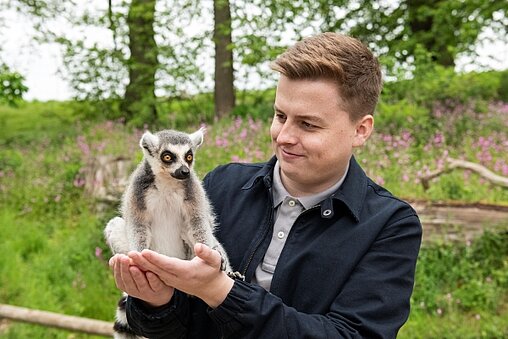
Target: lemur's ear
197,137
148,142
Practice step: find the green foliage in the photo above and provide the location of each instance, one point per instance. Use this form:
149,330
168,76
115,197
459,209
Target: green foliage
31,121
52,254
181,112
255,104
434,83
399,114
443,28
11,86
503,86
461,280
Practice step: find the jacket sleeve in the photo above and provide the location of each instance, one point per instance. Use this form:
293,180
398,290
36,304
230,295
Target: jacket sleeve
373,303
167,321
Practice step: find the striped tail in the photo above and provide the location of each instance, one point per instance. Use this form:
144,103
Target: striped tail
121,327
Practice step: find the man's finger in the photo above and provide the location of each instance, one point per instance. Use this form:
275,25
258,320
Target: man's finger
143,263
117,274
112,262
154,282
162,264
128,281
139,279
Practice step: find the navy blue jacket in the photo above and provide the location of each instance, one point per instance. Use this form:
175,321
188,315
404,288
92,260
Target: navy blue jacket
347,274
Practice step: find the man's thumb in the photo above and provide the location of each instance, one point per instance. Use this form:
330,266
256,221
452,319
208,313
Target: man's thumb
207,254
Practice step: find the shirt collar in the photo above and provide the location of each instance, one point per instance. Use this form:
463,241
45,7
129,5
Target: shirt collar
280,192
351,193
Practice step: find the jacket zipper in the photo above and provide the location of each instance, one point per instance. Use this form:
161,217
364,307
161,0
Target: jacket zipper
257,245
255,249
270,219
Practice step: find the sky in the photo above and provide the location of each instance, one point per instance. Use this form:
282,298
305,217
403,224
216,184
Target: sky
41,64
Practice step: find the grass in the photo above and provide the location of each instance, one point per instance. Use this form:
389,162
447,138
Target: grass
53,257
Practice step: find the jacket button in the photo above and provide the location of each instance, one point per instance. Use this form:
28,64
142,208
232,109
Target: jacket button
280,235
327,213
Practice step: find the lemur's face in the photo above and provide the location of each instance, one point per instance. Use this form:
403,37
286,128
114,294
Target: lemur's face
176,160
312,137
171,153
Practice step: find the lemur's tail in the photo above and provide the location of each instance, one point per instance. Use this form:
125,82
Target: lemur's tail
121,327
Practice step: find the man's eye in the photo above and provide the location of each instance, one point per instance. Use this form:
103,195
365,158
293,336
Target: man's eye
280,116
307,125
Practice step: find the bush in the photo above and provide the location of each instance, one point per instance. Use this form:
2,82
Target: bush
11,86
443,85
503,86
395,116
469,276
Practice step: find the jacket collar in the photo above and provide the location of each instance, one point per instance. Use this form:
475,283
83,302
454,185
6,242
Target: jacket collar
351,193
353,190
265,174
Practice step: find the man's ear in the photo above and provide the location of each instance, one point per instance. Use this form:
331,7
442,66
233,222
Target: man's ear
364,128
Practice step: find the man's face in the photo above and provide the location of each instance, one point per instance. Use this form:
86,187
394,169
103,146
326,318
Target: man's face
312,137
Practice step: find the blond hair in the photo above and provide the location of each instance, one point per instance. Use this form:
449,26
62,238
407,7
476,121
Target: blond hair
340,58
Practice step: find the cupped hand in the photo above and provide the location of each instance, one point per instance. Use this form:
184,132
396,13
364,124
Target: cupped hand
200,276
138,283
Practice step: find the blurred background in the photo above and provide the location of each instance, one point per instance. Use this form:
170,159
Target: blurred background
81,80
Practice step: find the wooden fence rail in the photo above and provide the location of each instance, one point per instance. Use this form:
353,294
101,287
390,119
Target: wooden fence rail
67,322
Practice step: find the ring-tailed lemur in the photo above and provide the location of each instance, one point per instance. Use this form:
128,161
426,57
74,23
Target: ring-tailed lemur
164,207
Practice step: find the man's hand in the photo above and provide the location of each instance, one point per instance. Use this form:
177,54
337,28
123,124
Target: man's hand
142,285
200,276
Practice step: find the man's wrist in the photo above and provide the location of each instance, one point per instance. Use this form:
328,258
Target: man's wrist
218,290
159,303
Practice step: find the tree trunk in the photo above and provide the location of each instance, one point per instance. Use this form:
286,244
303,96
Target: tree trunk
139,100
224,92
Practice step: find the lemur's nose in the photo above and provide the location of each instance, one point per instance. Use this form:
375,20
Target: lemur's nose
181,173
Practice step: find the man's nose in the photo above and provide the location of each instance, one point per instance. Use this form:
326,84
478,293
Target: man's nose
287,134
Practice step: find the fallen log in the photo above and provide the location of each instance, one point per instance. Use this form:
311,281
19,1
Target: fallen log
477,168
67,322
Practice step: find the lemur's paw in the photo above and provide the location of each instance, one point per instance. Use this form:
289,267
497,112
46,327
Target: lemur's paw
236,275
115,235
224,262
113,225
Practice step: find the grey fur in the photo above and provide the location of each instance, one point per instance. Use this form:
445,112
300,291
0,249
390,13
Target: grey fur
164,207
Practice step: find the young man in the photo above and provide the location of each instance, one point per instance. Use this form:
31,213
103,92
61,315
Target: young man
326,252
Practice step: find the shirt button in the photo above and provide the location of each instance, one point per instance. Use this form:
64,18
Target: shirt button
280,235
292,203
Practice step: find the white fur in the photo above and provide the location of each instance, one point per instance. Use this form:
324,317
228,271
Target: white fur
165,206
116,235
197,137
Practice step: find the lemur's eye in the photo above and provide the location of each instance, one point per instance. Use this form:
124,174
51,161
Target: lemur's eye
189,157
166,157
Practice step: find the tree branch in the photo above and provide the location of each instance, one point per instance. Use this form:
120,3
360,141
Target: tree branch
477,168
51,319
